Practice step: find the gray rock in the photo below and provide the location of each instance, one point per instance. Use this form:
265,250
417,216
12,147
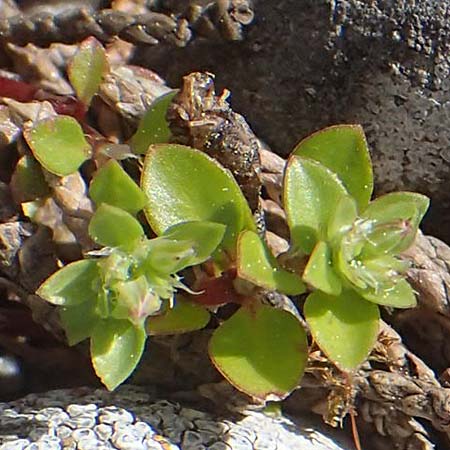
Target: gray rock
310,63
131,418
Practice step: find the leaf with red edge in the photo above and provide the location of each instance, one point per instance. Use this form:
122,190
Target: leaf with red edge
261,350
58,144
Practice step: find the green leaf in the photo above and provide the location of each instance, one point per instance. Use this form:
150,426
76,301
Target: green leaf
113,227
73,284
398,294
58,144
112,185
343,149
342,219
319,272
116,348
28,182
79,321
87,69
204,238
345,327
153,127
166,256
256,264
183,184
407,206
183,317
136,300
261,350
311,193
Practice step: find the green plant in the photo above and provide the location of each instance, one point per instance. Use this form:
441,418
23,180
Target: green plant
344,251
108,296
343,261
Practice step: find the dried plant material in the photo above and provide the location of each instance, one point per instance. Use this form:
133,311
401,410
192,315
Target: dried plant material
8,8
70,192
12,238
37,259
177,26
71,196
131,90
430,272
46,212
393,428
45,315
9,131
8,210
277,244
275,218
24,112
390,351
200,118
271,162
44,67
110,123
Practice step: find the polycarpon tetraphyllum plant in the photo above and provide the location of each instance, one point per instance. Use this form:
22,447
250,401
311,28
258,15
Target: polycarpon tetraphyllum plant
343,261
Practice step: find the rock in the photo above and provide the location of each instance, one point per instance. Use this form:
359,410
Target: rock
133,418
306,64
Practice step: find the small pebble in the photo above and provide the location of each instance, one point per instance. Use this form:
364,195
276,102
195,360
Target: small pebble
112,414
18,444
79,410
83,434
103,431
11,376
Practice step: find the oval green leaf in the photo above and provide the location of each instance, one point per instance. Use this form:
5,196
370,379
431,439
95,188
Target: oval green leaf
58,144
153,127
311,193
116,348
345,327
319,272
114,227
183,184
79,321
261,350
165,256
256,264
73,284
204,238
395,206
112,185
87,69
342,219
398,294
183,317
343,149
